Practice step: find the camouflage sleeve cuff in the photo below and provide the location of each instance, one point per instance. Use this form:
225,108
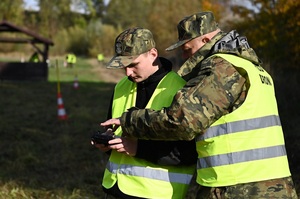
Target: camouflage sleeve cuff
151,124
125,121
136,123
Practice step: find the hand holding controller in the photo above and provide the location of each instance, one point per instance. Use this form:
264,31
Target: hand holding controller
101,138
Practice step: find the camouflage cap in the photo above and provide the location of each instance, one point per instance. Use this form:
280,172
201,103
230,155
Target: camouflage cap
129,45
194,26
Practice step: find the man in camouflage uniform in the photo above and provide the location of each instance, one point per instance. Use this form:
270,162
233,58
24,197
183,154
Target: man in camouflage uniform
228,104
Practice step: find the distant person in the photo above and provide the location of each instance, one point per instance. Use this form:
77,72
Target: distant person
149,82
34,57
229,106
100,58
70,60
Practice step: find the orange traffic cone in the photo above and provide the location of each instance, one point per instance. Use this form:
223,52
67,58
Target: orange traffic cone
61,109
76,84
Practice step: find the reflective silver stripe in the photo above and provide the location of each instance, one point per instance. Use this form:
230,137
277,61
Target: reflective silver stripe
149,173
242,156
113,168
238,126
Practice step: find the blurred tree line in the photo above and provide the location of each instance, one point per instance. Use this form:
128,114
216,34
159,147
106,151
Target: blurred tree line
89,27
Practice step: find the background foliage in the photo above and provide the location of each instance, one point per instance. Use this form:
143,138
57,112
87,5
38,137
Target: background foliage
272,26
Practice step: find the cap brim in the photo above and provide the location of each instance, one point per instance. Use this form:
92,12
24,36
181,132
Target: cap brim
120,61
176,45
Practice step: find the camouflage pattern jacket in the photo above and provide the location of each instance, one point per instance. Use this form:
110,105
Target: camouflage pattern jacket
214,88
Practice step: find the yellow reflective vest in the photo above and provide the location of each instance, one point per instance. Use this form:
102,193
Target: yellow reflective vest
100,57
71,58
137,177
246,145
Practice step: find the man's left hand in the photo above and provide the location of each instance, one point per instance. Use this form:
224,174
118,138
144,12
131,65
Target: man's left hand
124,145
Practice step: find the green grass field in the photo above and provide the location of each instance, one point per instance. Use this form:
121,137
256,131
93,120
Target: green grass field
42,157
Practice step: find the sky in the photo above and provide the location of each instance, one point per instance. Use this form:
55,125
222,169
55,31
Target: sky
30,5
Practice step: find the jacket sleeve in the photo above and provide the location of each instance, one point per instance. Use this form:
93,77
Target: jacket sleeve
167,152
204,99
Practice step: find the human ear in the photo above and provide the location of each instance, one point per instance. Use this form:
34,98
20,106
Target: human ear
154,53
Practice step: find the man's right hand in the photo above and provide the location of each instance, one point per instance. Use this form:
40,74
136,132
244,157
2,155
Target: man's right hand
111,122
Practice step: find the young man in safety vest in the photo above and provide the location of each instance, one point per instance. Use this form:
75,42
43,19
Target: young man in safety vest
228,104
149,83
